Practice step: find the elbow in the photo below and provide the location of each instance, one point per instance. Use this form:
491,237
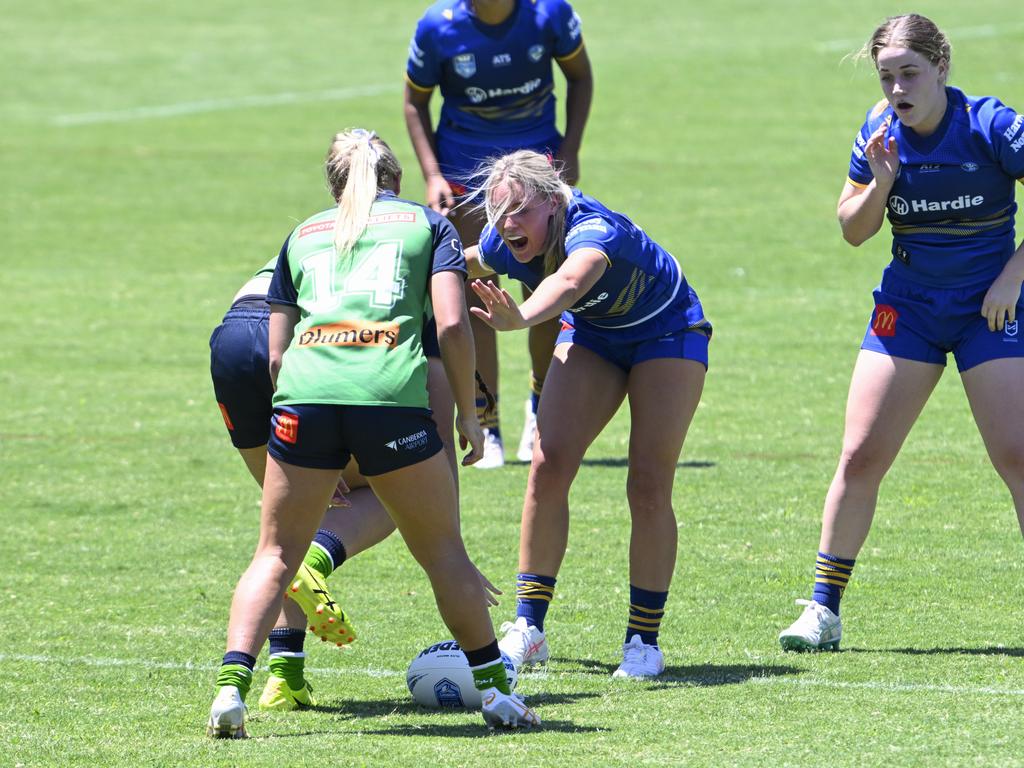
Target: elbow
853,238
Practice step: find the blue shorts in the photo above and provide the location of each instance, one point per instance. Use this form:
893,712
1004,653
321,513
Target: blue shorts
689,344
920,323
241,371
459,161
382,438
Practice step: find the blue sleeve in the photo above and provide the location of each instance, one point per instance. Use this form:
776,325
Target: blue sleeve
1005,132
860,171
494,254
567,29
593,232
448,254
424,66
282,288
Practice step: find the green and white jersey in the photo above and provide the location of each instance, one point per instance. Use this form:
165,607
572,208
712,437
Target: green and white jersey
358,339
267,270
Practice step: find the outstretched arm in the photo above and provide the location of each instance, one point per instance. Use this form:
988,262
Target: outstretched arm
555,294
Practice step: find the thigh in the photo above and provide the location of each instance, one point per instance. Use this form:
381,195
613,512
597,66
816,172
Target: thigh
997,402
421,499
886,397
581,393
663,396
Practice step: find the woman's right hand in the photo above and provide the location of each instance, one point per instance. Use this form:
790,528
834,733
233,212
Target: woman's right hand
883,156
439,194
470,434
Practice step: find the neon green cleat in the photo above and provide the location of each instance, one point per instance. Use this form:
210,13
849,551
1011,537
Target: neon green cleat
327,620
278,695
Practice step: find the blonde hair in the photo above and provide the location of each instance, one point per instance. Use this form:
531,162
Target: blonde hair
358,165
527,174
913,31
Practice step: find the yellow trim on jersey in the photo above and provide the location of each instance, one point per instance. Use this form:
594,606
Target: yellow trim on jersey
879,108
856,184
416,87
571,55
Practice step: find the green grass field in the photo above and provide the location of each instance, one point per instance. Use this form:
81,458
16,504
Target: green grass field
154,155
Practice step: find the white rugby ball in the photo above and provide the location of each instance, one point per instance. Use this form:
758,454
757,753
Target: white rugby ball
439,677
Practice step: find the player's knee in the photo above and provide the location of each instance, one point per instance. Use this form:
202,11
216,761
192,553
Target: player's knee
649,493
864,462
1009,461
553,466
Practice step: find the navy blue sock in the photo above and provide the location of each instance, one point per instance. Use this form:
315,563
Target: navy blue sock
831,575
534,401
287,640
533,596
646,609
329,542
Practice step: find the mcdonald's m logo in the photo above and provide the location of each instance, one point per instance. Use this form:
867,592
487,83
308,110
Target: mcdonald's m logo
884,323
286,427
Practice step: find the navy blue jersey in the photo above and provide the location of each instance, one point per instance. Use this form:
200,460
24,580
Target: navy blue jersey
952,205
641,294
496,80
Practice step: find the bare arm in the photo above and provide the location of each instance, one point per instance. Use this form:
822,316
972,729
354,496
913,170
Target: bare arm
579,80
421,134
555,294
861,210
455,338
1000,304
283,319
477,268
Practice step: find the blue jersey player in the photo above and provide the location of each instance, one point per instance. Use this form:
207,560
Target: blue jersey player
942,166
492,60
632,327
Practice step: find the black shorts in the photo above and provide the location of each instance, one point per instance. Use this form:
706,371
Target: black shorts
382,438
241,371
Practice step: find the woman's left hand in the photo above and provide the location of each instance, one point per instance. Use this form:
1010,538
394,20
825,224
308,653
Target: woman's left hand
501,313
1000,304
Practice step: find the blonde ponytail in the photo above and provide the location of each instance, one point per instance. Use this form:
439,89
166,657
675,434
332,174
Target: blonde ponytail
358,165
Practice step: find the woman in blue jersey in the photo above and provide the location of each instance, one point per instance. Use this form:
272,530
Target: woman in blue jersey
942,165
492,60
345,351
632,327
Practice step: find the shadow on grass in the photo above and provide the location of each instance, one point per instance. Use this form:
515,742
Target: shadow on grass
994,650
698,675
624,462
464,723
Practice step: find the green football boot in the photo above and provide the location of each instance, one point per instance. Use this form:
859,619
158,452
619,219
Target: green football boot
327,620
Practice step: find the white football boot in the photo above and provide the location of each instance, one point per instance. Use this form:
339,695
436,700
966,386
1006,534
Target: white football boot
227,715
506,710
817,629
640,661
524,645
525,450
494,452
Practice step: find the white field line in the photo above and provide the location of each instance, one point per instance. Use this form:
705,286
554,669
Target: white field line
220,105
189,666
980,32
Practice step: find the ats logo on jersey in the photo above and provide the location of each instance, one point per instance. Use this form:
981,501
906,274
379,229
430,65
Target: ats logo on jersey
349,333
884,323
286,427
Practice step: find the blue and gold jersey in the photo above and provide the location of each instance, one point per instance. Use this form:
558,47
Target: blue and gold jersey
496,80
642,294
952,205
